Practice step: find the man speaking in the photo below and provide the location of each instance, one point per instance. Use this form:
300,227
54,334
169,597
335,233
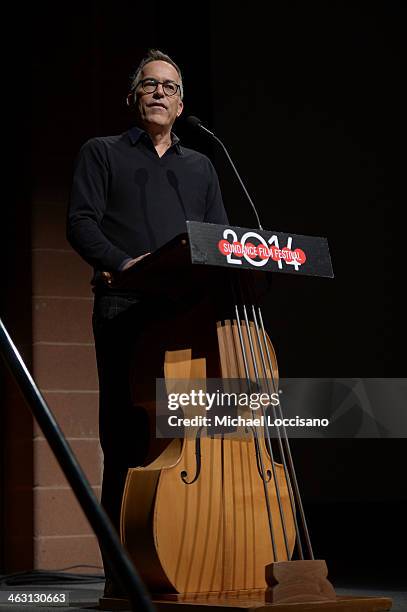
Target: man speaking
131,194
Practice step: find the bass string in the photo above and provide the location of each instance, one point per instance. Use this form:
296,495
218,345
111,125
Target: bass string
280,445
232,367
259,453
289,469
267,430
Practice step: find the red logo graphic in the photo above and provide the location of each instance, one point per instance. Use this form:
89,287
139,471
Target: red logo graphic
287,254
262,251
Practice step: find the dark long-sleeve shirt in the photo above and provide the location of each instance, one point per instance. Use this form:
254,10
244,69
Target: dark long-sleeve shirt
127,201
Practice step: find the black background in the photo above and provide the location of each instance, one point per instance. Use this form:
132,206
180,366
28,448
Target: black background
310,98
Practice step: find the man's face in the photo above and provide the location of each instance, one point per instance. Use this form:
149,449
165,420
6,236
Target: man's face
157,110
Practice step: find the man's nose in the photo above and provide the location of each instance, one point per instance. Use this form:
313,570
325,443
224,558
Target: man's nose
159,92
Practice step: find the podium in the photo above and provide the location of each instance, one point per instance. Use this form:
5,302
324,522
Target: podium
210,521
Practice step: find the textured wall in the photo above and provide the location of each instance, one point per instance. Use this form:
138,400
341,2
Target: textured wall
64,367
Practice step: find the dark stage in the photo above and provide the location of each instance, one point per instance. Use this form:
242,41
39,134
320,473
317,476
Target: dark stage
310,99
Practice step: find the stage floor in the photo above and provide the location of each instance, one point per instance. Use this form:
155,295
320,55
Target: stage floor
85,597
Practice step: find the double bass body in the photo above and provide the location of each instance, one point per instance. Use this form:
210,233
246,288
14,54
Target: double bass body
195,519
216,516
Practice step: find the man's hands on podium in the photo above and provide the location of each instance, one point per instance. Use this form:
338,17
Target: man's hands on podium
131,262
108,276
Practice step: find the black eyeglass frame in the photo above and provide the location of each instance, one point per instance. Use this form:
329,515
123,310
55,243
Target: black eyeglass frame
157,83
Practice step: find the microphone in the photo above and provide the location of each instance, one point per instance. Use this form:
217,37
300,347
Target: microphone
173,181
196,123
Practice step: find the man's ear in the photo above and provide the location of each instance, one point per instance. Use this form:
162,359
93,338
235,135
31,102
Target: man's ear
180,108
131,98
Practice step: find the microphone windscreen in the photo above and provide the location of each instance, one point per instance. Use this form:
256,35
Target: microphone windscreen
172,179
193,121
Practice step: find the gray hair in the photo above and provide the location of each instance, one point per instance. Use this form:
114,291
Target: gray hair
155,55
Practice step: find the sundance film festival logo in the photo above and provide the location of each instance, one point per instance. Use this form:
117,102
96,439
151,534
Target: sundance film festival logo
257,251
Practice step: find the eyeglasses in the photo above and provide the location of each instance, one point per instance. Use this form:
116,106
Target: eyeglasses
150,86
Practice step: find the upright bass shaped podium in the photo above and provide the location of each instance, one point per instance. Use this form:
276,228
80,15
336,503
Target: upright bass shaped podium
215,519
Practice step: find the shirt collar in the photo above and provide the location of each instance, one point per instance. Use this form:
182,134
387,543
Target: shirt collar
135,133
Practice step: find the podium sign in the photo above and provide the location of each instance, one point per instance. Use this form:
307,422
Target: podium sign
263,250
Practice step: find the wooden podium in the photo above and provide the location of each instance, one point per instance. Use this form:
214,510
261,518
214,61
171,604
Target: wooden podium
201,295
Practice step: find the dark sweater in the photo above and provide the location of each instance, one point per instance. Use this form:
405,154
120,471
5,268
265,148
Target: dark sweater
127,201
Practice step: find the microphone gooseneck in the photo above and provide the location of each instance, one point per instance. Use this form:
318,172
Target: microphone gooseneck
197,124
173,181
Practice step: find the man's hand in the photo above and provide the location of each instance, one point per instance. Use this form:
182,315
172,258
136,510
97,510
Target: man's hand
108,276
133,261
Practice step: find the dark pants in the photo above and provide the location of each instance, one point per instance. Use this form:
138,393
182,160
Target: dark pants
123,427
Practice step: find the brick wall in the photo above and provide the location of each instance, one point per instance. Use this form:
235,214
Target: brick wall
64,368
